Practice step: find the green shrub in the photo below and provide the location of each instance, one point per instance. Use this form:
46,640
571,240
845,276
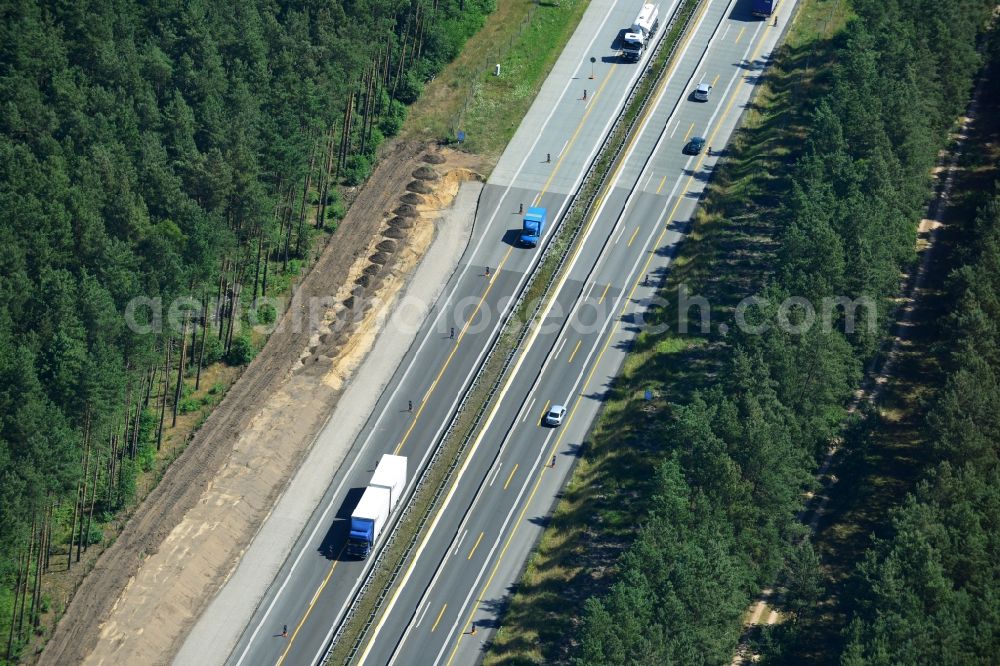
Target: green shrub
147,425
336,211
95,534
374,141
124,493
357,170
409,88
145,458
266,313
213,349
391,124
188,405
241,351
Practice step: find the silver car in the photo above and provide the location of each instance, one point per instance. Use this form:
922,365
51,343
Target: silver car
701,92
554,417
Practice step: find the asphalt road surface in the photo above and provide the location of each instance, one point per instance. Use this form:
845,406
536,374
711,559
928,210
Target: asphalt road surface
497,507
312,590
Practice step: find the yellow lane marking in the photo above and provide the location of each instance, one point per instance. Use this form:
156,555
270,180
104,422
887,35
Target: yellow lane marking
451,354
662,181
575,349
439,617
510,477
312,603
475,546
572,140
590,375
606,287
688,133
715,80
545,187
740,35
545,410
633,237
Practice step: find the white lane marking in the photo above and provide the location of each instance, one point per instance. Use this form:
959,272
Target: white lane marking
598,264
727,31
528,153
589,157
505,389
426,606
611,318
527,412
618,237
485,428
563,148
719,106
676,123
497,472
459,544
530,478
336,498
559,347
447,501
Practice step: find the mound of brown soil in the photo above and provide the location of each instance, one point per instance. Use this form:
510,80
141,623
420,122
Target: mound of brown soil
387,246
419,186
401,223
425,173
406,210
433,158
412,198
394,232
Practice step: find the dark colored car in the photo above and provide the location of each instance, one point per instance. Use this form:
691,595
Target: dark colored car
695,145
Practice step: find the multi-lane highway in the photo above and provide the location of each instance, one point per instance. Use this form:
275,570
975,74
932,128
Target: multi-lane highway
452,594
312,589
494,511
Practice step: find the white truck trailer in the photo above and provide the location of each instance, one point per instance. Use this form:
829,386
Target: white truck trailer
376,504
641,33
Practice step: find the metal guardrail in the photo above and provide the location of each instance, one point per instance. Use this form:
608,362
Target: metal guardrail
550,247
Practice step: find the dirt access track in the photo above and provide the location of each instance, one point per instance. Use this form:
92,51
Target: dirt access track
185,539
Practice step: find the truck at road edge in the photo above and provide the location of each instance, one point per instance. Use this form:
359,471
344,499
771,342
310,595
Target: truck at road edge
641,32
533,226
376,505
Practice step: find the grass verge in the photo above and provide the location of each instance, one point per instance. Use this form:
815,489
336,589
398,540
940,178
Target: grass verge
526,38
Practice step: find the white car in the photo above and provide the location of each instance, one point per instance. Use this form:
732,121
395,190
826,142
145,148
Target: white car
701,92
554,417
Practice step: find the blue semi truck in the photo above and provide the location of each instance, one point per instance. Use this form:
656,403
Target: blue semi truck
763,8
533,227
376,504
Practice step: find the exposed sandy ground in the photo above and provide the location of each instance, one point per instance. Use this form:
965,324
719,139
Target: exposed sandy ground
186,538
